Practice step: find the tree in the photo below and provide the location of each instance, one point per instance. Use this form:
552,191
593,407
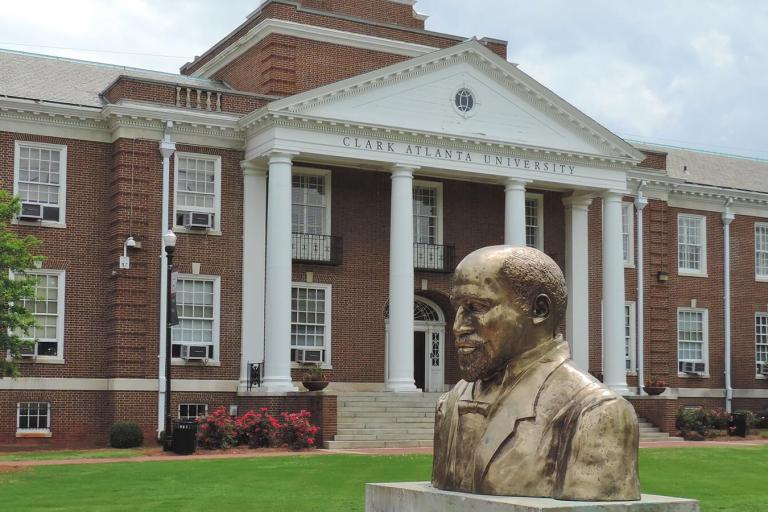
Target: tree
15,258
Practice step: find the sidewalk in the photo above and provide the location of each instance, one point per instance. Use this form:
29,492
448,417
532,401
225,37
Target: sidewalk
161,456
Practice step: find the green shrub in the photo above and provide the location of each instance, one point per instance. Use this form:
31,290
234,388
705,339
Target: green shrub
125,434
717,419
692,419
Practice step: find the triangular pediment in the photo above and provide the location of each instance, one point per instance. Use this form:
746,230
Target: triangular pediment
419,95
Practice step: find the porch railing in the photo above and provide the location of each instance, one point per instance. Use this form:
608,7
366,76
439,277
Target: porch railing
317,249
434,258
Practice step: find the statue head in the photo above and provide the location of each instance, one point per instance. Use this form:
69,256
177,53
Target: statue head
508,300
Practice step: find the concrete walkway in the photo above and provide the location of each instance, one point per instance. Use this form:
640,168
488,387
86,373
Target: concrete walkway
160,456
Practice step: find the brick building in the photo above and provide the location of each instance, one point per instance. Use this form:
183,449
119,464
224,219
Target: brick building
392,152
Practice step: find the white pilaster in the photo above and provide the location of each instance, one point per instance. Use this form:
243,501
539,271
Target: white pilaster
577,277
277,316
514,212
727,217
254,267
400,350
614,365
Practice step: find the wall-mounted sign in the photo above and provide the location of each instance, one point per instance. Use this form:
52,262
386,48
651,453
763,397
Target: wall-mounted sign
458,155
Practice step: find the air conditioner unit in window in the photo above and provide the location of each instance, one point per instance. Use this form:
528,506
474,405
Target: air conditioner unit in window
692,368
763,368
194,352
31,211
309,356
27,351
197,220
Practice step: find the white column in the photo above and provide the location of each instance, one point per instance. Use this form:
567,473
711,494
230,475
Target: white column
614,362
640,203
514,212
400,350
277,315
577,277
167,147
254,266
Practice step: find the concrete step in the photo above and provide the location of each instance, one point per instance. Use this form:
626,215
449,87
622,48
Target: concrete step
397,436
345,413
389,425
653,435
427,432
340,445
387,408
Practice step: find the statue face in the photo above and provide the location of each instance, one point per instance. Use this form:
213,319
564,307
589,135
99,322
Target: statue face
490,327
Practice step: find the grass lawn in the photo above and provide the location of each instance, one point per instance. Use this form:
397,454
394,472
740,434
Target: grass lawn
722,478
72,454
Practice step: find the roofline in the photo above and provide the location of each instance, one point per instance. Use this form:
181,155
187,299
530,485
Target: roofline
216,46
222,89
703,151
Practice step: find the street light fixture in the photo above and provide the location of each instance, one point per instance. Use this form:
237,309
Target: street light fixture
171,319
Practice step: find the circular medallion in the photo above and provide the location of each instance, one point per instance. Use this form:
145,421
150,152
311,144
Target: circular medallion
464,100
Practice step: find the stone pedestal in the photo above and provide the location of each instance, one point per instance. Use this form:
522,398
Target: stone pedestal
422,497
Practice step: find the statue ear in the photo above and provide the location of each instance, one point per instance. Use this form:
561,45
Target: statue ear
541,308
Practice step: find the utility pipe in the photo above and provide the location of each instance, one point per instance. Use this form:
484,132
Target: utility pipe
167,148
727,217
640,203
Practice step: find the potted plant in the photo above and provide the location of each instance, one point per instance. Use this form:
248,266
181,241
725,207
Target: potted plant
314,377
654,385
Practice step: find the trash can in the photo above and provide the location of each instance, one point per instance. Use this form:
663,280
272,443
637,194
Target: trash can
184,441
737,424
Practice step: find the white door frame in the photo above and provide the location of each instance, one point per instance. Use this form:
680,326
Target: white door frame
434,376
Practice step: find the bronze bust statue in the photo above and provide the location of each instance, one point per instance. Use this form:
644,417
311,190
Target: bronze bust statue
523,421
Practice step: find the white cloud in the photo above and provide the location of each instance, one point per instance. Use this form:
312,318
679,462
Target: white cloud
714,48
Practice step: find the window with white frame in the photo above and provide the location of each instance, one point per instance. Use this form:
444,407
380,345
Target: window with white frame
310,322
692,339
629,336
761,251
311,206
197,305
40,177
761,343
33,417
197,191
628,233
534,221
192,411
428,251
48,309
691,244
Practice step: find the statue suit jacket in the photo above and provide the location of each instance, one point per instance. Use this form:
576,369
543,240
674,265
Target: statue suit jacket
553,431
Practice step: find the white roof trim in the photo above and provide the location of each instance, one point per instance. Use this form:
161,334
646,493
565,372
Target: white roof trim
314,33
473,49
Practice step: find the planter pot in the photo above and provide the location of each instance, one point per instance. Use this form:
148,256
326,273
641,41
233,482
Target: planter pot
315,385
654,390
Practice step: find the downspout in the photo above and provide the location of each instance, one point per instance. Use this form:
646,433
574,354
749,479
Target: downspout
640,203
167,147
727,217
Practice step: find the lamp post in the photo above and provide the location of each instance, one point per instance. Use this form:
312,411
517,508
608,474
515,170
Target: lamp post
171,319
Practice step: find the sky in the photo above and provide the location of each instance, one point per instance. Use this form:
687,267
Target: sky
691,73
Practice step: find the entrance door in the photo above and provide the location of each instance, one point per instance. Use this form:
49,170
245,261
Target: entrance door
419,359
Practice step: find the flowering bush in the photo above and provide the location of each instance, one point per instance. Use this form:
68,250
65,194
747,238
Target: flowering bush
216,431
296,431
257,429
717,419
655,382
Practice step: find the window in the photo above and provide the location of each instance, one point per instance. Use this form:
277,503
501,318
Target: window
48,309
192,411
40,180
761,251
428,251
197,304
534,221
691,244
629,336
33,417
311,320
692,340
197,190
761,342
628,233
311,205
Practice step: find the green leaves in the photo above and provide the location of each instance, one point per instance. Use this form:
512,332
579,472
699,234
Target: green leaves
15,258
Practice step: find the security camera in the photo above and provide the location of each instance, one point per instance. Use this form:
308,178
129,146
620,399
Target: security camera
130,242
